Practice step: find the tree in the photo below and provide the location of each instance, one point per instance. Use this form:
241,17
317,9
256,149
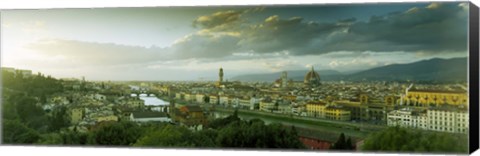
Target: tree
255,134
15,132
206,99
120,134
411,140
343,144
166,136
51,139
58,119
218,123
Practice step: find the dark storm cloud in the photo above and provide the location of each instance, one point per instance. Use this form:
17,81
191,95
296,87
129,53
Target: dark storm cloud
275,34
432,29
435,28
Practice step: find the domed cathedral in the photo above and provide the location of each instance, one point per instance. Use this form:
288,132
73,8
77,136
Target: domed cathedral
312,79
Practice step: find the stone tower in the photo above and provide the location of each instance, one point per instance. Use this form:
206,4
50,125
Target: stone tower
284,79
220,74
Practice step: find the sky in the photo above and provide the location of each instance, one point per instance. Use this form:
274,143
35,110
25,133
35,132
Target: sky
192,43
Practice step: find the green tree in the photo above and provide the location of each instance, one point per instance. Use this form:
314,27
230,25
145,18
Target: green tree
410,140
15,132
343,144
120,134
51,139
166,136
58,119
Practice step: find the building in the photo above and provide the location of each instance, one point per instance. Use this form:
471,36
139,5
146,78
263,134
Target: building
200,98
443,119
213,99
407,117
284,108
448,119
315,109
178,96
366,109
283,81
76,115
254,103
107,118
315,144
357,111
135,102
223,100
312,79
191,116
267,105
337,113
428,98
149,116
244,102
220,78
189,97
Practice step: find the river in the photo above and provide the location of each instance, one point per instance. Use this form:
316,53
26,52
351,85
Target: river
152,100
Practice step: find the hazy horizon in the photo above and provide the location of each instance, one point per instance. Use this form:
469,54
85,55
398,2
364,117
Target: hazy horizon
188,43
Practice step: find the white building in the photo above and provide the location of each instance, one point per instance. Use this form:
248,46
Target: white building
254,102
443,119
407,117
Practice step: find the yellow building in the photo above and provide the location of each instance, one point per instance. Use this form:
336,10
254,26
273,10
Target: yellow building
76,115
357,110
290,97
267,105
427,98
367,109
107,118
337,113
320,109
316,109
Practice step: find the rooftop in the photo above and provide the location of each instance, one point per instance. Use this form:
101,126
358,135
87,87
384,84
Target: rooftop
438,91
148,114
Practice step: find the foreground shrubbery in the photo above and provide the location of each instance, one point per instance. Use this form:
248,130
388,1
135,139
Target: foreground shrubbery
398,139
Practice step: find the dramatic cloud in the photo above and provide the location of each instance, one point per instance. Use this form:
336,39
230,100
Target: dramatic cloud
435,29
431,30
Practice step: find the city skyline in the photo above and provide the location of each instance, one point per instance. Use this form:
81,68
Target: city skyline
189,42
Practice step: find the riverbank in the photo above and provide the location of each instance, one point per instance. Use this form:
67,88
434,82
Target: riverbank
322,129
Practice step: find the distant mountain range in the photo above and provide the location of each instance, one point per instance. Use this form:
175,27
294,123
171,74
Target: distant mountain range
436,69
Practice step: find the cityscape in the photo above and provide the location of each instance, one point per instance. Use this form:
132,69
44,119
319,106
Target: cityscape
270,77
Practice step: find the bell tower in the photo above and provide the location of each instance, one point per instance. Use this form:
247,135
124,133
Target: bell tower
220,75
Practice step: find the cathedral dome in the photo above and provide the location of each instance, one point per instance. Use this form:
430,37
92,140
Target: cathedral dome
312,78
